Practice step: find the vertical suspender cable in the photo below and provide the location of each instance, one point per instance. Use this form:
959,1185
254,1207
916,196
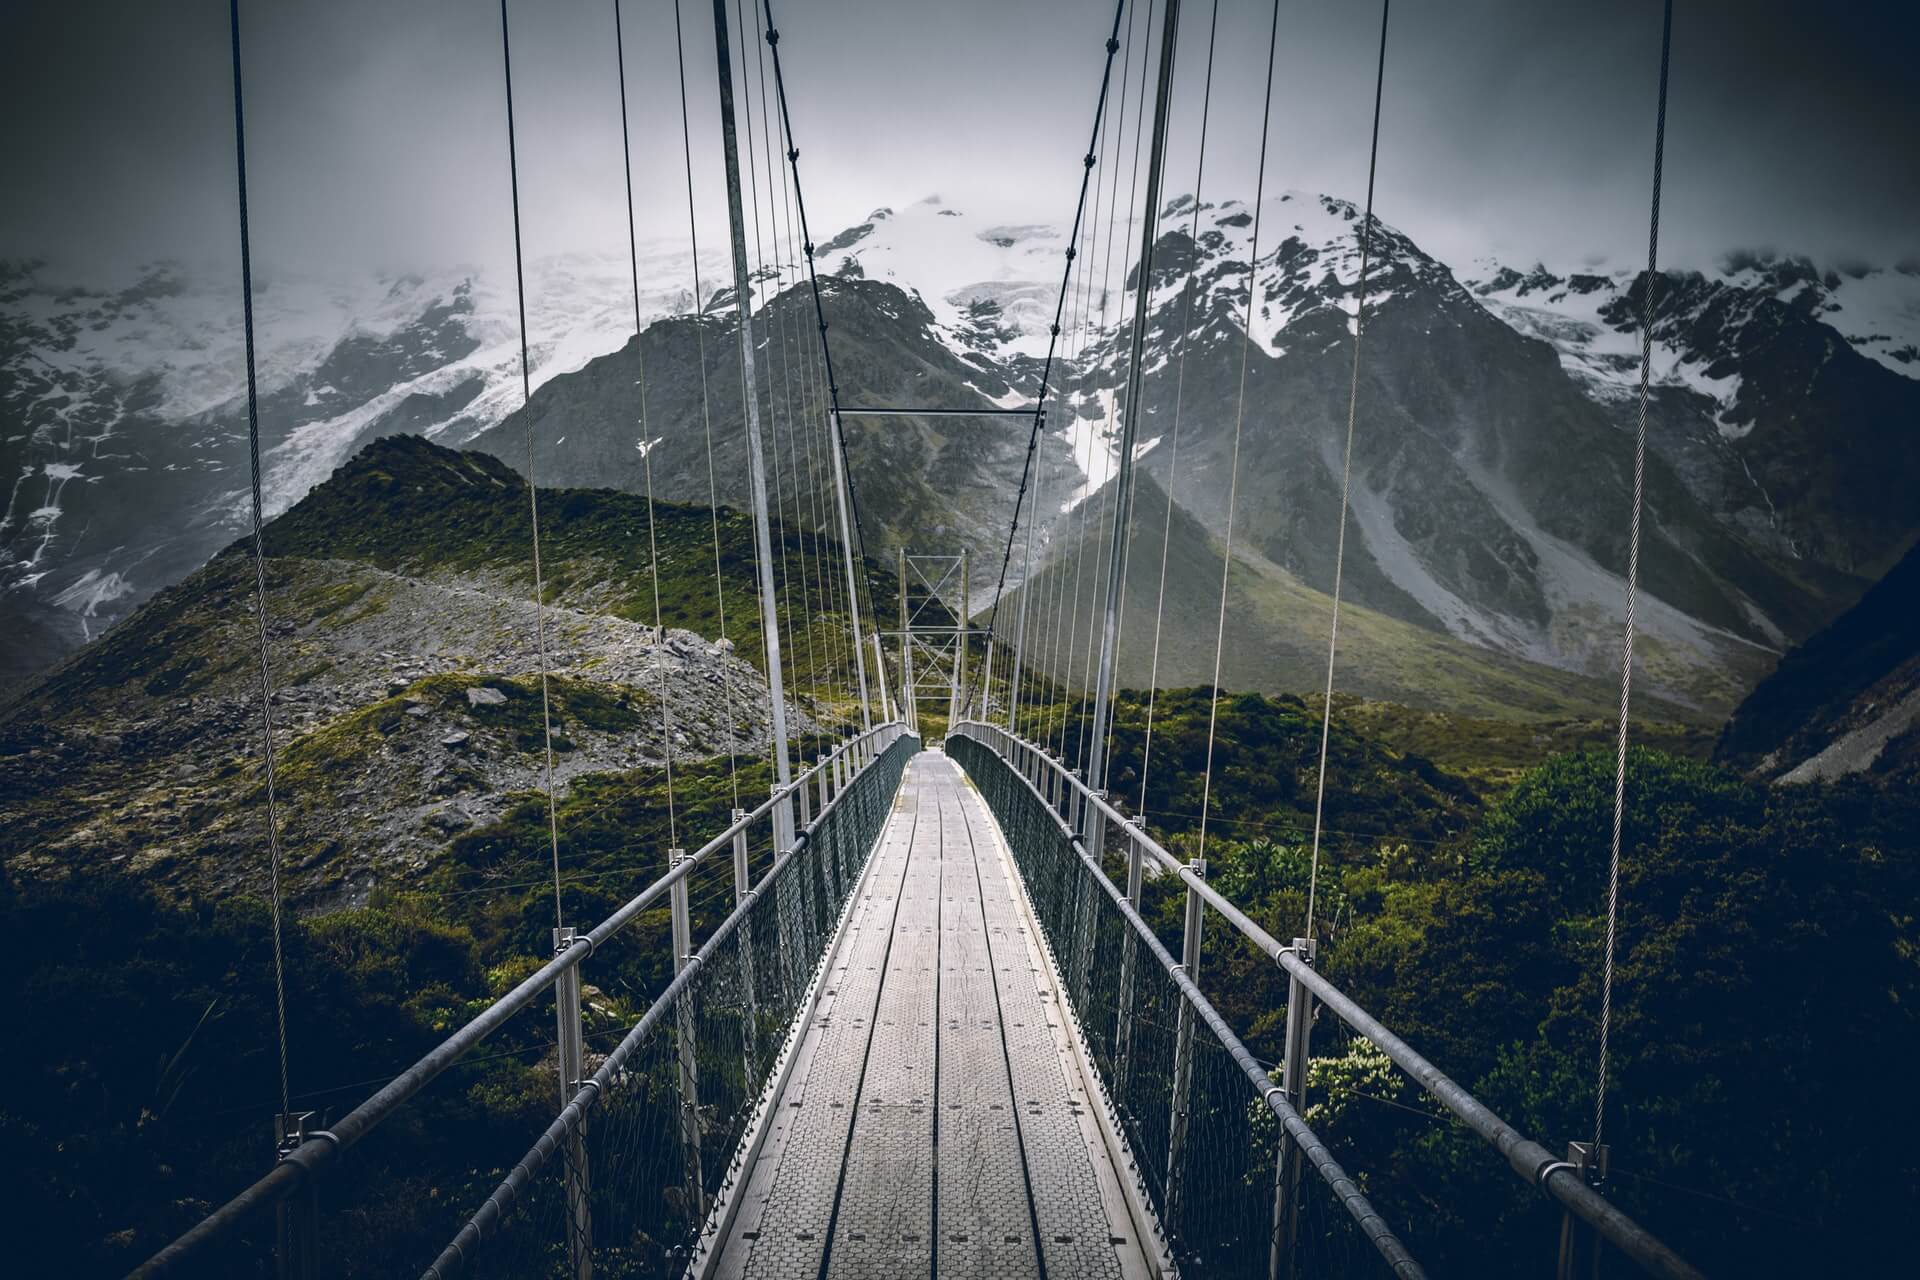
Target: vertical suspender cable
1150,219
773,408
259,562
1179,397
1239,417
706,411
826,349
1346,471
646,458
1046,366
1633,577
1133,484
533,491
756,464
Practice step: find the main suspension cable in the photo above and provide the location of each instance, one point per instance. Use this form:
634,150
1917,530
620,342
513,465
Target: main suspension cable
1633,578
646,455
1239,418
274,905
533,490
1346,469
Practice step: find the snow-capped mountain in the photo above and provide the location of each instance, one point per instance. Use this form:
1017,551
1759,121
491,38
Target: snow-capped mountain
1492,463
123,412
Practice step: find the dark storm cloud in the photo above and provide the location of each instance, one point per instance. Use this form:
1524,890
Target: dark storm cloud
376,130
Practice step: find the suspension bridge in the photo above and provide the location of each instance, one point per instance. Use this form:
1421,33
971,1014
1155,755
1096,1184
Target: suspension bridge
930,1029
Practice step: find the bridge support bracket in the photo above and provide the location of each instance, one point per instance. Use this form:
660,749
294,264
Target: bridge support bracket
1579,1243
296,1218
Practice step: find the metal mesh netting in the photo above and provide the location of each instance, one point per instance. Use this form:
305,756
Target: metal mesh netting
659,1131
1208,1168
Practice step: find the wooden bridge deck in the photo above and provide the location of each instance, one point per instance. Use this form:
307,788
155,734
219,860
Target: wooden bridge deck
935,1121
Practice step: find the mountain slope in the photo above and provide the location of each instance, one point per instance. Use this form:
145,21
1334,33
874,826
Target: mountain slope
1846,701
1276,628
407,696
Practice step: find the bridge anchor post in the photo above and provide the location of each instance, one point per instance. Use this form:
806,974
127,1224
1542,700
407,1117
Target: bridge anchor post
297,1218
571,1046
1287,1163
1579,1243
689,1062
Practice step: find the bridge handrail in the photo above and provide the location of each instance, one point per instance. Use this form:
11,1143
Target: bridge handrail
499,1203
1531,1161
1325,1164
323,1147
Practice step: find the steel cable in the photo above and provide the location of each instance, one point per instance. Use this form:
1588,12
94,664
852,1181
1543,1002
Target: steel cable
1346,472
533,490
706,411
1633,580
1173,449
646,458
259,563
1239,418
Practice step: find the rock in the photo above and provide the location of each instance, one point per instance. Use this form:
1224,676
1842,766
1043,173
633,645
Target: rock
481,696
723,646
449,819
457,739
418,711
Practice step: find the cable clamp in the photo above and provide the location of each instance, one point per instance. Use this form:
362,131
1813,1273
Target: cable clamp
1087,160
1113,46
1069,253
793,155
773,35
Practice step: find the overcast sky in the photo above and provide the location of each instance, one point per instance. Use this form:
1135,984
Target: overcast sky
1515,128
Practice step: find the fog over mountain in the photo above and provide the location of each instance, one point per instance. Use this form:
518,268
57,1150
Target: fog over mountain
1512,190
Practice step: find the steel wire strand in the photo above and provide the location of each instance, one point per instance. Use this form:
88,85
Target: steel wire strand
1633,581
1239,419
646,458
1133,472
1179,396
274,857
1100,587
820,316
533,491
1046,366
1133,194
706,410
796,744
1346,469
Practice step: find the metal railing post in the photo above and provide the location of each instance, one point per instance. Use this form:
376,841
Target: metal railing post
1288,1162
1579,1243
572,1053
1129,948
806,804
297,1218
689,1061
1183,1045
820,775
